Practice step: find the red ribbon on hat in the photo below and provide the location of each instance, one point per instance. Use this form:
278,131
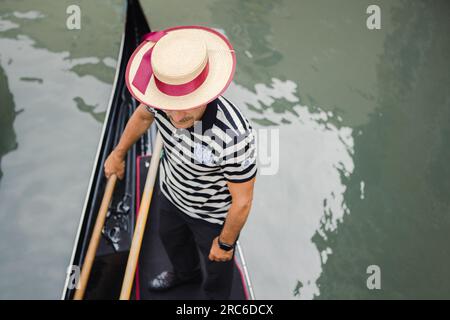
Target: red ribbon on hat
145,72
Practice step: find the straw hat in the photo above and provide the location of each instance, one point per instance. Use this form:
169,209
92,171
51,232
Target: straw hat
180,68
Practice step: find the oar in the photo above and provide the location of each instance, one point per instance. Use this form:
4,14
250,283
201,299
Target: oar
135,249
95,238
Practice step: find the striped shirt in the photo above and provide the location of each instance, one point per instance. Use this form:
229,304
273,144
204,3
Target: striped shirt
199,161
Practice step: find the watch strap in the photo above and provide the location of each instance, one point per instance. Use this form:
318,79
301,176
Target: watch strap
225,246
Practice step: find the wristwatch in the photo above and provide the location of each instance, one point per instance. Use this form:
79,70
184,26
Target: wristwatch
225,246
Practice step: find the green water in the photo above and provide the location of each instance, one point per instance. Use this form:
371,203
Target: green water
362,119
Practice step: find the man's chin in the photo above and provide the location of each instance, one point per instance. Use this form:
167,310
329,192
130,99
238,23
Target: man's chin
182,125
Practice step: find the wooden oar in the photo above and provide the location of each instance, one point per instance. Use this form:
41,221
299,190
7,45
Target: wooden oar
95,238
135,249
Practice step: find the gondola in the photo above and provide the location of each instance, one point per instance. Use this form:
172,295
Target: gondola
108,269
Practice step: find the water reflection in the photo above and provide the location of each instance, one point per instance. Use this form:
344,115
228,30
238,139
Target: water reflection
401,223
306,195
46,155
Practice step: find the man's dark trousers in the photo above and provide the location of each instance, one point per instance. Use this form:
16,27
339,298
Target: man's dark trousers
180,235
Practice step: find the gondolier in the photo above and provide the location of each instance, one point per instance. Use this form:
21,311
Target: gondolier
208,170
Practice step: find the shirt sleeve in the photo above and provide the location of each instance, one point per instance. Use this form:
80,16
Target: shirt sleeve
238,160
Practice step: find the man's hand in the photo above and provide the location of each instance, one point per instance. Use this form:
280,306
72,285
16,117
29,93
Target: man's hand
217,254
115,164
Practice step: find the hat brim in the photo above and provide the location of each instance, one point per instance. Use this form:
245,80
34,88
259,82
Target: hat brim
222,65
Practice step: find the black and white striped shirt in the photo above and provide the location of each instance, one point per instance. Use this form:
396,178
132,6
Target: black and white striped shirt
198,161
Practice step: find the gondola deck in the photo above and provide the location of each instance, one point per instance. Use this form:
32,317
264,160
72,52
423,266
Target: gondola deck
111,257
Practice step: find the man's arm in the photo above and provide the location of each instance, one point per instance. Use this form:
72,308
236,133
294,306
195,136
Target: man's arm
137,125
241,202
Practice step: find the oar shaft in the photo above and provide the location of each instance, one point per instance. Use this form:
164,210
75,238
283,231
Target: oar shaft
95,238
135,249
